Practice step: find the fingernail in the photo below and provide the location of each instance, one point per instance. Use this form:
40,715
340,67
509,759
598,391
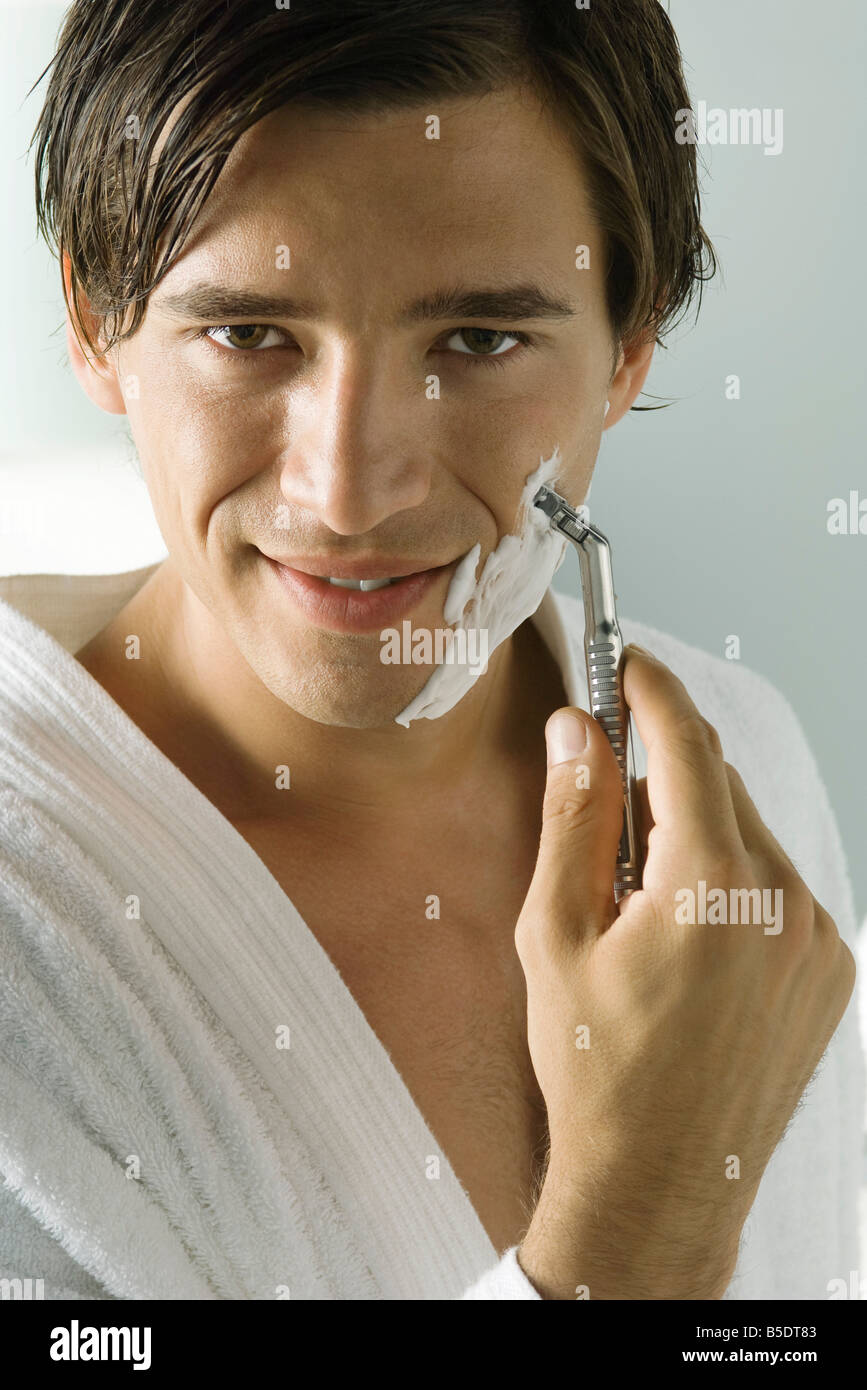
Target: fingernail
566,737
634,647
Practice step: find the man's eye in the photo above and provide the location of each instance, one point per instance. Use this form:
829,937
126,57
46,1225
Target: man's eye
244,336
478,344
483,344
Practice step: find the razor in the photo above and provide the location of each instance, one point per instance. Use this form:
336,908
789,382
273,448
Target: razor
603,654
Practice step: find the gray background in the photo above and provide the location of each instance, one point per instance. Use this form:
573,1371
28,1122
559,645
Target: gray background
716,509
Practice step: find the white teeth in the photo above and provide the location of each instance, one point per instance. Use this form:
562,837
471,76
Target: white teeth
364,584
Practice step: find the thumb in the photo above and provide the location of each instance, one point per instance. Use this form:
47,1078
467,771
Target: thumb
582,819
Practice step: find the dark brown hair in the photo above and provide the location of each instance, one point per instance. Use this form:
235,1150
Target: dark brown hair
611,73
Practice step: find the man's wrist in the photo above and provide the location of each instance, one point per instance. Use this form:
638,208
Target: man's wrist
566,1257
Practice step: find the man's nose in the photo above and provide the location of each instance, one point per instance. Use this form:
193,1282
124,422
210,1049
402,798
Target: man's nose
360,440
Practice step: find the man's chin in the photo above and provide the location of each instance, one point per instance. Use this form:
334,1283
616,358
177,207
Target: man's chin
352,701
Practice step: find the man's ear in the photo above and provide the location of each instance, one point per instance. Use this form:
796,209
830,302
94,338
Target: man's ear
97,376
633,364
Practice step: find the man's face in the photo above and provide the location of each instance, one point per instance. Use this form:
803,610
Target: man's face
318,437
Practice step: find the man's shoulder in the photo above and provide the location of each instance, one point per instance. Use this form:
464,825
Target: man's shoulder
71,608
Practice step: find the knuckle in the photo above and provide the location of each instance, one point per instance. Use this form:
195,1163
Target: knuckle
797,907
537,939
567,811
807,922
731,868
837,963
711,736
734,776
694,730
826,930
524,941
799,901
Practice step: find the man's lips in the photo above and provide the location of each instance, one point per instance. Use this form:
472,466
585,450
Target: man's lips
337,609
380,567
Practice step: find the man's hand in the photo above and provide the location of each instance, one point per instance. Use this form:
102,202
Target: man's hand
700,1038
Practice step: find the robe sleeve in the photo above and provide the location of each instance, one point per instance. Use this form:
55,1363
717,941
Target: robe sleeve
506,1279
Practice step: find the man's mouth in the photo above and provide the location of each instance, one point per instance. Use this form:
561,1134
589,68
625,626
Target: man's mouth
369,574
363,596
365,575
364,584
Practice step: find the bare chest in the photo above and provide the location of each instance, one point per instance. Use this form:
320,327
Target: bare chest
447,1002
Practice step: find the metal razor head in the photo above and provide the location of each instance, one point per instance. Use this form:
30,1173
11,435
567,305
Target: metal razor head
549,502
564,517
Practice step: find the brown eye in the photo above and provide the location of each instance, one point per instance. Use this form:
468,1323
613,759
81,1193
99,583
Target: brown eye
243,338
245,335
482,340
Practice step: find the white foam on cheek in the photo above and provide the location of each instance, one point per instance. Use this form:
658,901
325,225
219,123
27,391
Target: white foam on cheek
511,587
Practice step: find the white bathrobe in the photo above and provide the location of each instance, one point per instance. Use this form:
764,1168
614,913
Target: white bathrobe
193,1106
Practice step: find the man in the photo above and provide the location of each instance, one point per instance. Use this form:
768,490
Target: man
313,1003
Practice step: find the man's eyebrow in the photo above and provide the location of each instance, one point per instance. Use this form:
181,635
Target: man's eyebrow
221,303
511,302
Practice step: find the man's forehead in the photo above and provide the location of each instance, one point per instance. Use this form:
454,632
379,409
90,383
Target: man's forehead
439,243
444,161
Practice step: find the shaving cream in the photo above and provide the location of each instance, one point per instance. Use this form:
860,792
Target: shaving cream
512,585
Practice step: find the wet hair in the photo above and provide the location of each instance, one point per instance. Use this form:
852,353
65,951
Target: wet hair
612,75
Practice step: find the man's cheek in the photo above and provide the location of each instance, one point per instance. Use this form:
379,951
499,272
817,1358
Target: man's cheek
490,603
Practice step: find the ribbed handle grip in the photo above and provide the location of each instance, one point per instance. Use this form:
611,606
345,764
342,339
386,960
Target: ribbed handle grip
608,706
